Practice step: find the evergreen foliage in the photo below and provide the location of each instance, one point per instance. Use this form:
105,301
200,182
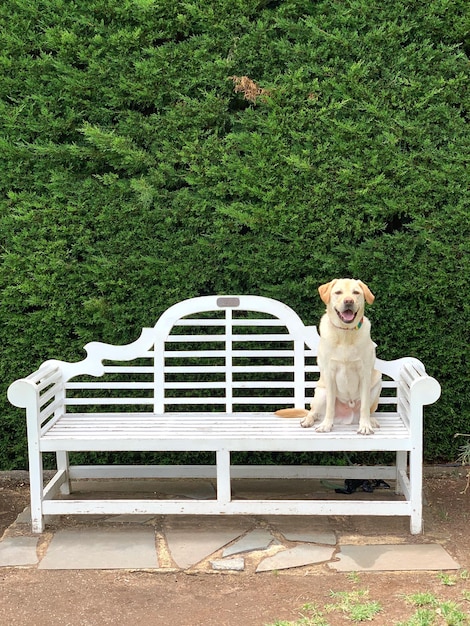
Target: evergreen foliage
154,150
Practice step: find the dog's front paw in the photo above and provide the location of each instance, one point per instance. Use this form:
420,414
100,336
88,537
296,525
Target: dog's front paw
324,427
308,421
365,428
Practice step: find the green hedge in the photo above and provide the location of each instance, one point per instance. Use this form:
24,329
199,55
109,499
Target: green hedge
156,150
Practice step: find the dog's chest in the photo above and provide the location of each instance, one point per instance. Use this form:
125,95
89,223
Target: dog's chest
345,364
350,355
348,379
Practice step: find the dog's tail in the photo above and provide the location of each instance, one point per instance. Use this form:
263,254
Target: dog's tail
291,412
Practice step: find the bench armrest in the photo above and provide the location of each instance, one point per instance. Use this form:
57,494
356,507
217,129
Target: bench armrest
41,394
25,390
422,389
415,389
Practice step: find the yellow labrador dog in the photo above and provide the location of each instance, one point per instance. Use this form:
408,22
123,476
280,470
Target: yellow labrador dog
349,386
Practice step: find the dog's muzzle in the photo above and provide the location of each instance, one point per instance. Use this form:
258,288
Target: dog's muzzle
347,316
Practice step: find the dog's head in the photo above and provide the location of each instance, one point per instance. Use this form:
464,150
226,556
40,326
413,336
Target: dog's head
345,299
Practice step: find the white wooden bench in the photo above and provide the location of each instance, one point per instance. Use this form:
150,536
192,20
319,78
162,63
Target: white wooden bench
208,378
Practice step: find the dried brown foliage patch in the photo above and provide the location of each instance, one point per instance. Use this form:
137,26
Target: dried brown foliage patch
250,90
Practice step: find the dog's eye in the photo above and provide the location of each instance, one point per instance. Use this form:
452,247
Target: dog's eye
338,293
356,293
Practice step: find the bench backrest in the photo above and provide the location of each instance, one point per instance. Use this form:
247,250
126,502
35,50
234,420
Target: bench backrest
213,353
206,354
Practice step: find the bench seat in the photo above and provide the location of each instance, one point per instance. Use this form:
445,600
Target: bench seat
211,432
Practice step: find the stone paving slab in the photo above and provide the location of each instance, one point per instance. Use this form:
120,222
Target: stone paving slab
190,539
307,536
296,557
17,551
258,539
305,529
295,529
229,565
92,548
393,558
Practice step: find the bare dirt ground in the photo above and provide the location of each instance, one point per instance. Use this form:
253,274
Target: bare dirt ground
121,597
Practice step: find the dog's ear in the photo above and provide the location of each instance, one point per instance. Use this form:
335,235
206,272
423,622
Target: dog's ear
325,290
368,295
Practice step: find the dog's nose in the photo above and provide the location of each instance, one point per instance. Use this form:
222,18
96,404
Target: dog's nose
348,301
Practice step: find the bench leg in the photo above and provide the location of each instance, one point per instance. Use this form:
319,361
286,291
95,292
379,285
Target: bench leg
62,459
36,491
224,491
416,492
401,465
